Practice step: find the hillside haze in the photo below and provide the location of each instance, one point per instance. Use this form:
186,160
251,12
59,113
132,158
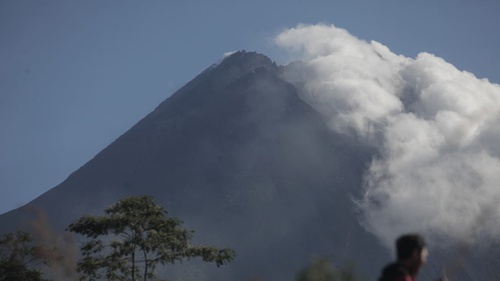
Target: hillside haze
246,163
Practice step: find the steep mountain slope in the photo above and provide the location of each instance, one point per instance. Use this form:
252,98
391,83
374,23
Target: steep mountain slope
244,162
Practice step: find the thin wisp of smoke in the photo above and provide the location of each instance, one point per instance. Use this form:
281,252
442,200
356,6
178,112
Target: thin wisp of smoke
437,130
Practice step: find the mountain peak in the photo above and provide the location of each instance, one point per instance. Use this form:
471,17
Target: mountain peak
249,59
243,62
218,76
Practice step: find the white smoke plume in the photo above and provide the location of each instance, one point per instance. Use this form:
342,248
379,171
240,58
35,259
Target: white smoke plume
437,130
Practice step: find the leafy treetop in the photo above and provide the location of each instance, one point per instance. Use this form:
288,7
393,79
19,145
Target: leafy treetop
133,237
17,254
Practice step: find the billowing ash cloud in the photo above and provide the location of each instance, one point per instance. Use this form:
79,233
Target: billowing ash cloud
437,130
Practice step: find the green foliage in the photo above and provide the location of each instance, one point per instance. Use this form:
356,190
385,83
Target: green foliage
323,270
17,253
132,238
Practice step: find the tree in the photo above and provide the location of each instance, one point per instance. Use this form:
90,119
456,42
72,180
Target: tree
132,238
17,253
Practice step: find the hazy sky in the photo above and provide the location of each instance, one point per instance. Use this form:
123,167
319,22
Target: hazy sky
74,75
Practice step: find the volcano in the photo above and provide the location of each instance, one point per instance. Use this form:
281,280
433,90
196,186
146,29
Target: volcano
246,163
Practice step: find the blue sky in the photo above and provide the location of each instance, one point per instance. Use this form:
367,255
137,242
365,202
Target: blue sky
74,75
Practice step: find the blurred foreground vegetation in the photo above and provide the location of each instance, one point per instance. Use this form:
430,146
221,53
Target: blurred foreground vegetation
324,270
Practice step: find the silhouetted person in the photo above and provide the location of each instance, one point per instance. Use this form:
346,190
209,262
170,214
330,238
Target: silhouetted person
411,253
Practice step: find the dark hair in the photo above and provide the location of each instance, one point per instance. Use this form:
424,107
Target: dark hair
406,244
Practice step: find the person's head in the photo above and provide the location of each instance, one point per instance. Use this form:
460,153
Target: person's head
412,251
